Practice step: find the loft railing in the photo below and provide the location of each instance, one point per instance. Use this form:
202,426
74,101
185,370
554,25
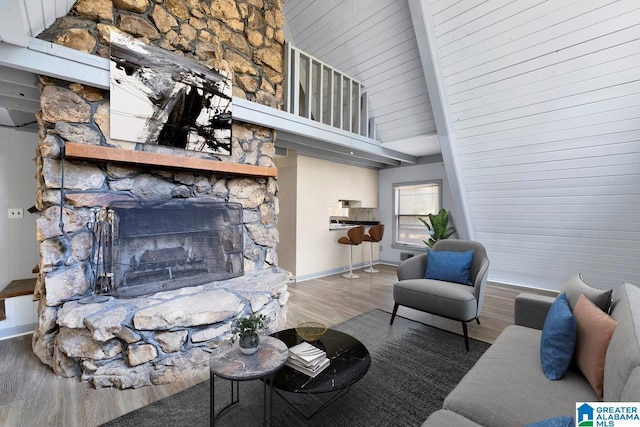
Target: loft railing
319,92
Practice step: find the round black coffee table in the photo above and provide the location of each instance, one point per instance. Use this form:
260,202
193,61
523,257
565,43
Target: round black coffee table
349,362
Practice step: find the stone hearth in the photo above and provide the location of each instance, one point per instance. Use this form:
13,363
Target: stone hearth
128,343
156,339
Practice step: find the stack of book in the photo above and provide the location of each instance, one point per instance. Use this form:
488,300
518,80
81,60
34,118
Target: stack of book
307,359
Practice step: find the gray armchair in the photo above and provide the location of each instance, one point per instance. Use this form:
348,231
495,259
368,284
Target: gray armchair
446,299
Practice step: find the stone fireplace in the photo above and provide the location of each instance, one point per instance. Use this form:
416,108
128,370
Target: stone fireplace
143,248
167,298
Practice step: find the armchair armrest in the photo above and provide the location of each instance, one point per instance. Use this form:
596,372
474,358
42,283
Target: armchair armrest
531,310
413,268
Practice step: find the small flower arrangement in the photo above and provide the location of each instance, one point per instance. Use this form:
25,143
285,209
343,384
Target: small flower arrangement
248,326
246,331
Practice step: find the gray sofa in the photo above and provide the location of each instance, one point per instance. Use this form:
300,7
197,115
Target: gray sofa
507,387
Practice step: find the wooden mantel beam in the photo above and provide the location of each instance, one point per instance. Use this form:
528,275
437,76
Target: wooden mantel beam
119,155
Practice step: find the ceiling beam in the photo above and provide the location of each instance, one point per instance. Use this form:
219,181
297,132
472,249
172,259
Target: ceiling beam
19,77
11,103
320,133
426,39
305,144
13,90
21,118
42,57
320,153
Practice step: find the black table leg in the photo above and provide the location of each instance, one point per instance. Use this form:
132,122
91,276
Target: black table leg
212,399
235,398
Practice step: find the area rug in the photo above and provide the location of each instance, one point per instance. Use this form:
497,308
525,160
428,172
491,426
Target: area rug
413,368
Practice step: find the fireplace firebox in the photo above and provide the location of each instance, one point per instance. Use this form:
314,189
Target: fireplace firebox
146,247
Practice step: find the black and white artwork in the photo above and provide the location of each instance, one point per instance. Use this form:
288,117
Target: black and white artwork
160,98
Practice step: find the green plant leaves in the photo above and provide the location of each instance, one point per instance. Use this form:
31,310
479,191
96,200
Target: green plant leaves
248,325
438,226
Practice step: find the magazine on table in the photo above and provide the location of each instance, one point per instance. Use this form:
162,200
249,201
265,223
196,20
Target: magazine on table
312,372
307,359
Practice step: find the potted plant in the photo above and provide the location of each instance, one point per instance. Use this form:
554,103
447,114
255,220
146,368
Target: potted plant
245,330
438,226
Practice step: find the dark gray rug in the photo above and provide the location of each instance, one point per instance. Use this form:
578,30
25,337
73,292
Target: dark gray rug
413,368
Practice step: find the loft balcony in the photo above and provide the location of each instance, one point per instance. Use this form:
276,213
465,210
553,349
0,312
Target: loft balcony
319,92
325,115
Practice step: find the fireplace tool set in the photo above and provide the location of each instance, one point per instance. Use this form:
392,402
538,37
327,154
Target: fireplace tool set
101,276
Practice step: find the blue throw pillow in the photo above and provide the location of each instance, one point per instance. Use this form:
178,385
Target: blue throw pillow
565,421
449,266
558,339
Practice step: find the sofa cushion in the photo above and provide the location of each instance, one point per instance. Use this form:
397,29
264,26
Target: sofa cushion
576,287
558,339
507,387
443,417
631,391
623,354
566,421
440,298
595,328
449,266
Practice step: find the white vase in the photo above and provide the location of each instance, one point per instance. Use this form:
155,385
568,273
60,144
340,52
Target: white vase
249,343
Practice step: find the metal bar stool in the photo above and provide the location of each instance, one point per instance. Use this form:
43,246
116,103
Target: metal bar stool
374,236
353,238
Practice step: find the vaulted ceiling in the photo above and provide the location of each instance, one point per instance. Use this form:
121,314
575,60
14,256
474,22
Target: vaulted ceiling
536,105
383,56
374,42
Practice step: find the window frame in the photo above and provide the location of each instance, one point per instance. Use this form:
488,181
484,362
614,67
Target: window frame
395,243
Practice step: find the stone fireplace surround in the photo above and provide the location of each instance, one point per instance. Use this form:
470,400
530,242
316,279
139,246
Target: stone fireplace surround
167,335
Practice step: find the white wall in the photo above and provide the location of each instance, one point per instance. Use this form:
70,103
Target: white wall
287,202
407,174
18,246
544,102
319,186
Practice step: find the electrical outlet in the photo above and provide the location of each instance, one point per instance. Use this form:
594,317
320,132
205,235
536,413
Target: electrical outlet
15,213
381,248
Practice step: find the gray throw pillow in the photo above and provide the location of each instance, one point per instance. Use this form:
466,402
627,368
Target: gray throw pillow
576,287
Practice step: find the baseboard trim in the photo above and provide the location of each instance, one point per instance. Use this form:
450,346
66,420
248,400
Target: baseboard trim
332,271
17,331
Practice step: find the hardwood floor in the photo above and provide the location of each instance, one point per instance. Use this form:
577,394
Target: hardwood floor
30,394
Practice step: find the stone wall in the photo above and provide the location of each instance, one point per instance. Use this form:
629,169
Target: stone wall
244,38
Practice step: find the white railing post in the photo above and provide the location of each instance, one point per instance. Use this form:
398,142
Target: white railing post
295,83
320,93
339,100
307,87
364,129
287,78
358,105
330,91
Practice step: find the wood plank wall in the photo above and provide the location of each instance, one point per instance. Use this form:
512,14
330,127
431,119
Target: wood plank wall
544,98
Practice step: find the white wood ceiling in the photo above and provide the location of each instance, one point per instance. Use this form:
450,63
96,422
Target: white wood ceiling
374,42
19,20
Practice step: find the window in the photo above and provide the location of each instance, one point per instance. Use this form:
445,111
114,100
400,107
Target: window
413,201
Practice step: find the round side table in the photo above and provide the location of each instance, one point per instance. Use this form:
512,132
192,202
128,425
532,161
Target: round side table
233,365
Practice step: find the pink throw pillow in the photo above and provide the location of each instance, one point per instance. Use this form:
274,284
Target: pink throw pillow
595,329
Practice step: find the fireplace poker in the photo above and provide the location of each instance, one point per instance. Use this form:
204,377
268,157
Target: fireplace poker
97,257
